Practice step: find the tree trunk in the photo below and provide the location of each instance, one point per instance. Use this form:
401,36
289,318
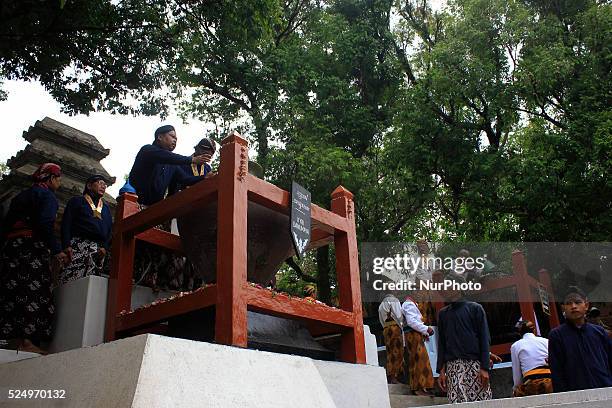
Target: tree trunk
261,134
323,284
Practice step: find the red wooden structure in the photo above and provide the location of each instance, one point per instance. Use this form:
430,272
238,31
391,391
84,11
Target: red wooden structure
525,286
232,296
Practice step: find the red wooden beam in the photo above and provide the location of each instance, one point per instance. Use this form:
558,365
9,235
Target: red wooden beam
119,296
352,348
273,197
163,239
319,238
501,348
523,288
181,203
279,305
231,310
189,302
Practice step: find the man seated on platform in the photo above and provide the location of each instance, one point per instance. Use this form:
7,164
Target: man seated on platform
86,231
155,169
580,353
530,371
206,146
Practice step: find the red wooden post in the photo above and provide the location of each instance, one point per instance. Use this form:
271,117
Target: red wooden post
523,290
347,271
231,308
119,296
544,278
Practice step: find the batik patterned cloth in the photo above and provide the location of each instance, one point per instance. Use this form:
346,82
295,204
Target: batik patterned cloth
535,382
85,260
392,334
419,369
26,301
463,382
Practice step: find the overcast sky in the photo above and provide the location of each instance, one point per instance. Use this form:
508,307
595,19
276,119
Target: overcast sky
124,135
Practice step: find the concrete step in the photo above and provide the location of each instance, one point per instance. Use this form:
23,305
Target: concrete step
403,401
399,389
7,356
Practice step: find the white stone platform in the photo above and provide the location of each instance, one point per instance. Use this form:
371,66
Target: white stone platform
157,371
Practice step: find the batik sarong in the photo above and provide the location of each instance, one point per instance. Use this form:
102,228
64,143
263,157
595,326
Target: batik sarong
392,334
535,382
85,260
419,369
26,302
463,382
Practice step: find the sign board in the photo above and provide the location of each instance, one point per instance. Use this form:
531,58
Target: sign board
300,218
544,299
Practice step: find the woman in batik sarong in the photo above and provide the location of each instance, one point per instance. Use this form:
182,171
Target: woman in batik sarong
390,316
416,333
29,244
86,231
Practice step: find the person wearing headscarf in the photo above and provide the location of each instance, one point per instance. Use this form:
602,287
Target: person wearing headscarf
392,320
26,302
206,146
86,231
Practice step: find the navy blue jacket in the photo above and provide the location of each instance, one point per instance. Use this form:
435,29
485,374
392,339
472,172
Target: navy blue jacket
580,358
79,221
187,171
463,333
36,208
154,170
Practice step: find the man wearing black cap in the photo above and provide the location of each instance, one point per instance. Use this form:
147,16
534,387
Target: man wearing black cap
206,146
86,230
156,167
579,353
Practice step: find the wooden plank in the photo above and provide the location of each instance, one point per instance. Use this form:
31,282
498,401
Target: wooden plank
271,196
189,302
501,348
264,301
181,203
163,239
319,238
231,309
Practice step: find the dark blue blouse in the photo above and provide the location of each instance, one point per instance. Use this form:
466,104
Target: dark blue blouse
36,208
79,221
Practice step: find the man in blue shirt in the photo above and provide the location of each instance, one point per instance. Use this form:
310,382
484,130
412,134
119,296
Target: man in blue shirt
156,167
579,353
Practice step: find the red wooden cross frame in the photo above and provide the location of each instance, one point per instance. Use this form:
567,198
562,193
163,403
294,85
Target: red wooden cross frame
232,296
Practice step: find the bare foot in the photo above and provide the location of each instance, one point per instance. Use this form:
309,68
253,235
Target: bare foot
423,393
27,346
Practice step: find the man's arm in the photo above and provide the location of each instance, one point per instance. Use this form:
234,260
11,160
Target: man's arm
484,339
556,361
441,343
158,155
67,224
413,317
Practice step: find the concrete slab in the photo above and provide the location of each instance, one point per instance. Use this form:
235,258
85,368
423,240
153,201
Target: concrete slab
7,356
156,371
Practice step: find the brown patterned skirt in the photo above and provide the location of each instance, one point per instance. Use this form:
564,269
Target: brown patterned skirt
419,369
463,382
395,349
535,382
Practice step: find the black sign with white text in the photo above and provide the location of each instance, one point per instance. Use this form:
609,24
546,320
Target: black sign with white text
300,218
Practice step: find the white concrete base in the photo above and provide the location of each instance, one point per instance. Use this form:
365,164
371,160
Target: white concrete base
6,356
156,371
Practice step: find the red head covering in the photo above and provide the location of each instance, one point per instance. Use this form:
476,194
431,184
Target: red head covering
42,175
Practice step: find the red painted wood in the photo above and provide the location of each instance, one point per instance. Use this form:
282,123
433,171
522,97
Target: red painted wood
501,348
352,347
273,197
231,310
120,282
181,203
163,239
173,307
523,289
264,301
319,238
544,277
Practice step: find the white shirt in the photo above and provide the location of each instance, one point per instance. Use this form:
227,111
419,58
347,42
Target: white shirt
390,307
413,317
528,353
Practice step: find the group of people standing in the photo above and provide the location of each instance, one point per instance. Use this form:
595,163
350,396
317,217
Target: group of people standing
576,356
33,261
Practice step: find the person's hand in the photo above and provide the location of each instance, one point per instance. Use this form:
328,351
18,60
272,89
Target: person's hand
430,331
484,377
442,380
210,174
69,252
494,358
101,253
63,258
201,159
